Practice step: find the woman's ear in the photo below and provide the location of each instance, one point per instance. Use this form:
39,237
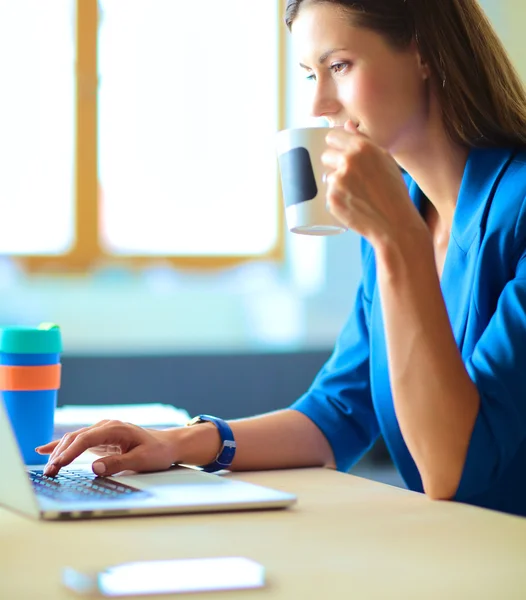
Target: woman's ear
424,70
422,65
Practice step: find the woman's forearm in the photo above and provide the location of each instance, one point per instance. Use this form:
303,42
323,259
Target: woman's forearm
279,440
435,400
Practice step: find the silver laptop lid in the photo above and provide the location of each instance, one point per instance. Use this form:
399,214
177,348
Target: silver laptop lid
16,491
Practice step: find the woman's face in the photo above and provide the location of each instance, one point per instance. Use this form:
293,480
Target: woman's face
356,75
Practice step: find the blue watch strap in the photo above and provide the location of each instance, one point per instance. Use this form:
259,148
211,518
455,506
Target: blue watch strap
226,454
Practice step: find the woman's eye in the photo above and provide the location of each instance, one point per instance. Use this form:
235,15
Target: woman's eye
339,67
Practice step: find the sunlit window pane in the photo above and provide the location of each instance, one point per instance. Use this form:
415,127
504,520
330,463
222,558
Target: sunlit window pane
37,108
187,117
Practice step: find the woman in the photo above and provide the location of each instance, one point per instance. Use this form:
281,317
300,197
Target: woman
433,355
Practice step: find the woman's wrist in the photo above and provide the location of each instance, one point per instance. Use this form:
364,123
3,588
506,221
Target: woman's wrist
403,255
196,445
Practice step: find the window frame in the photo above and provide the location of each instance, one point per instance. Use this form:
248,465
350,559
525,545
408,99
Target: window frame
87,253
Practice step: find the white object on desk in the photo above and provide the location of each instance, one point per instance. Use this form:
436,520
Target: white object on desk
175,576
71,417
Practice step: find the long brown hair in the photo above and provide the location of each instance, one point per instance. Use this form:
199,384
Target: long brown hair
482,98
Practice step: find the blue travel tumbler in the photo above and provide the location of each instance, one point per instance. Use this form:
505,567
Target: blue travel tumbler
29,382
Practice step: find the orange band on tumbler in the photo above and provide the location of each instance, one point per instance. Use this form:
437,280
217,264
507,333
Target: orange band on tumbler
29,379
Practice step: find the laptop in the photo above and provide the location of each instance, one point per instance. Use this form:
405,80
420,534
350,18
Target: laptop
77,493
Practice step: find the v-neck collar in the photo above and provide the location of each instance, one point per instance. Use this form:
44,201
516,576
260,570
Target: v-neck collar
482,173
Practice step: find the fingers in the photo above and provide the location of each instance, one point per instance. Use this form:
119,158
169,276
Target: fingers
59,445
332,159
105,450
338,197
351,127
62,444
342,160
73,445
336,188
339,205
339,139
47,448
348,139
131,461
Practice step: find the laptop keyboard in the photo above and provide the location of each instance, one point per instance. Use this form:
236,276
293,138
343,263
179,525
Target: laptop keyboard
71,485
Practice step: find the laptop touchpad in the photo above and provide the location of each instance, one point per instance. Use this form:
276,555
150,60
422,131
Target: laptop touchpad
173,477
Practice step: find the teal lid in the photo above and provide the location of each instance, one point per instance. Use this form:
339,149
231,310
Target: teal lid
44,339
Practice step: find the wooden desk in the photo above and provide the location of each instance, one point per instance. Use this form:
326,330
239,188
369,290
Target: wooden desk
346,538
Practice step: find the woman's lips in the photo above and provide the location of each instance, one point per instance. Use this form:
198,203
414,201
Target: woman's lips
341,126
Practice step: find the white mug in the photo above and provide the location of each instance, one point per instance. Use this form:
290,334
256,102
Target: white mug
303,181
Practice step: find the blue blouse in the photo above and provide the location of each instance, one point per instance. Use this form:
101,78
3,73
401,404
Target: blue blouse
484,289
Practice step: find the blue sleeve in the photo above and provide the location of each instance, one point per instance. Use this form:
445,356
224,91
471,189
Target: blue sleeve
339,399
498,368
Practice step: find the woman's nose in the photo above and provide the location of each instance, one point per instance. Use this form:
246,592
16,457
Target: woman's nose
324,103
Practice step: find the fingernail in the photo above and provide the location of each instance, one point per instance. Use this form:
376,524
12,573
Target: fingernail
99,468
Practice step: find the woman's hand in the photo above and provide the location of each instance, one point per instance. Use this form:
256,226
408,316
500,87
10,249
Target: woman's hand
123,446
366,190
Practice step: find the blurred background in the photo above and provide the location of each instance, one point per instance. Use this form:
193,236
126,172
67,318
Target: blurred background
140,206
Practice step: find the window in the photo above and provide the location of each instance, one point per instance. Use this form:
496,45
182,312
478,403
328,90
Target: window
37,113
161,148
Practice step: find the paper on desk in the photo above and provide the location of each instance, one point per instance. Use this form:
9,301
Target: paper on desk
70,417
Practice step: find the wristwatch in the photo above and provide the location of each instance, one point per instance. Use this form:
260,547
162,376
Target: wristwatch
228,445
